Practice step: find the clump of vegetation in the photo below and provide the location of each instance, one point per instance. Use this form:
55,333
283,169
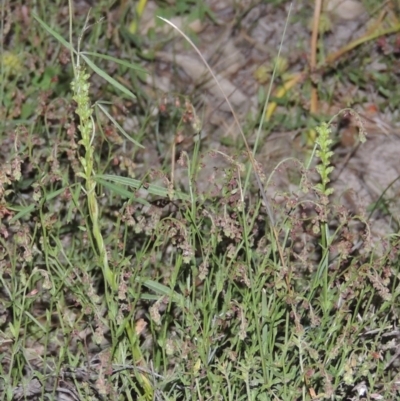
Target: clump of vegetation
120,287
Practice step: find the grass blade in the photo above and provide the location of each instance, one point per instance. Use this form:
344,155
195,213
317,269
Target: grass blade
120,129
53,33
107,77
127,64
133,183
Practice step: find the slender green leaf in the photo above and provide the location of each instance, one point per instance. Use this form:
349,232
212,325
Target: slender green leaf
107,77
120,129
120,191
23,212
118,61
151,188
53,194
161,289
53,33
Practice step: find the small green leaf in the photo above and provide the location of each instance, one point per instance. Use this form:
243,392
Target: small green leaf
118,61
161,289
53,33
107,77
120,191
23,212
131,182
120,129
